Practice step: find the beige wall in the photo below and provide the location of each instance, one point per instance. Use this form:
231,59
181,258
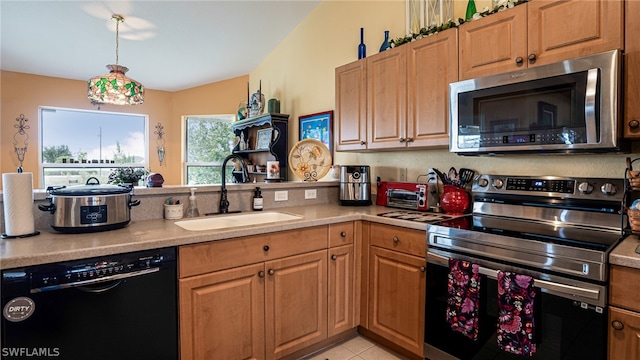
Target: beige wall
24,93
301,73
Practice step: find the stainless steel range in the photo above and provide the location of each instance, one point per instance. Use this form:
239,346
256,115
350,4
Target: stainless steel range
557,230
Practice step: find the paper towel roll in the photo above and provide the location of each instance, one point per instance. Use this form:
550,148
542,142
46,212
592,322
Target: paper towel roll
17,199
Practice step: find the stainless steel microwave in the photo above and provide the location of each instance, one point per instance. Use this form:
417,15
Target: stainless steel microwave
565,107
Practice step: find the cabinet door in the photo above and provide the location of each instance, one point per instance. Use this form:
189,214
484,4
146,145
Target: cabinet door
432,63
397,285
222,315
296,303
632,70
625,342
341,290
494,44
351,106
387,99
566,29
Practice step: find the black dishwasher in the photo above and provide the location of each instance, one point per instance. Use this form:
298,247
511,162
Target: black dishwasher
112,307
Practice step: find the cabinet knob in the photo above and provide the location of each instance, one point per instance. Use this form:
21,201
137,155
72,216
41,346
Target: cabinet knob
260,274
401,140
271,271
363,142
519,60
334,257
396,240
266,248
532,58
409,139
618,325
343,234
423,269
634,124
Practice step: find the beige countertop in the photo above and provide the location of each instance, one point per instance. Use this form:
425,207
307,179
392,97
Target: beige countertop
51,246
625,253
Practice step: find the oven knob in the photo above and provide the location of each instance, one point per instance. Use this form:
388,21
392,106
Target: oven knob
497,183
482,182
608,189
585,188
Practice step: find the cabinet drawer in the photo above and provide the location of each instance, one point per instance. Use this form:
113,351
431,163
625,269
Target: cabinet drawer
341,234
224,254
624,287
413,242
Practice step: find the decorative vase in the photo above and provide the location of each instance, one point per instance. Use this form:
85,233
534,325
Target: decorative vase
454,200
362,48
471,9
385,44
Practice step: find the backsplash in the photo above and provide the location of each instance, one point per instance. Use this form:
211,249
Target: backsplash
208,197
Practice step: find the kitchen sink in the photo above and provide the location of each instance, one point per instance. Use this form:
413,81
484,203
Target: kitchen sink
235,220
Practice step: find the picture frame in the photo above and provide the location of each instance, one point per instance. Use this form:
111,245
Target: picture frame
263,139
318,126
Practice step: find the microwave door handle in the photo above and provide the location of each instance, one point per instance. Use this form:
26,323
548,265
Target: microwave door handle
590,106
542,284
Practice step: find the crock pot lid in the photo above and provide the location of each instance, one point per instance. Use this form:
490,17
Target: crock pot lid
83,190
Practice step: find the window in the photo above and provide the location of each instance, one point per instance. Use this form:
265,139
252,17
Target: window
76,145
209,139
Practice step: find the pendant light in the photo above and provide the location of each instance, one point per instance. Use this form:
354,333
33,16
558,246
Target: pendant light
115,87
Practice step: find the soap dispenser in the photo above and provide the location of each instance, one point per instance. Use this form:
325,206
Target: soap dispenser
193,206
257,199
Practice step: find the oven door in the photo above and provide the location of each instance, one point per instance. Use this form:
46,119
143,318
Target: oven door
565,328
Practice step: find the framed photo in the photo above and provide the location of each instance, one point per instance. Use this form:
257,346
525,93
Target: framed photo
317,126
263,140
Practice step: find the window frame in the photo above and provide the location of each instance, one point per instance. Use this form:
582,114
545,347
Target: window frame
107,166
186,164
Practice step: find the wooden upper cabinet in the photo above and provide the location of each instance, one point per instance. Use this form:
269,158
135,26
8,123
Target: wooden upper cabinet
432,63
386,98
351,106
537,33
492,45
567,29
632,70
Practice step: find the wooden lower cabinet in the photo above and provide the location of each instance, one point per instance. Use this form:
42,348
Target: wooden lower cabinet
296,303
222,314
397,286
267,297
341,307
624,334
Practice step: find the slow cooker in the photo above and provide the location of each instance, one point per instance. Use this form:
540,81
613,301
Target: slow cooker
90,207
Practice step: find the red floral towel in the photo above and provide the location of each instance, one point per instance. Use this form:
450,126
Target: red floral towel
516,296
462,304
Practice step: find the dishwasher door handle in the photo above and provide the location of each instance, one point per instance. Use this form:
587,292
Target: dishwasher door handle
95,281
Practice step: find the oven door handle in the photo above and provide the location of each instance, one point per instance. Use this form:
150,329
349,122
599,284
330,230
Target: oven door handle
542,284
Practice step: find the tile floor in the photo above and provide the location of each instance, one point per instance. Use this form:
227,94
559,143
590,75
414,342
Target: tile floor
358,348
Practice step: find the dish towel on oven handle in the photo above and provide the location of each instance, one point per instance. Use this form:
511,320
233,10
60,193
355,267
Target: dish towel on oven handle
463,287
516,328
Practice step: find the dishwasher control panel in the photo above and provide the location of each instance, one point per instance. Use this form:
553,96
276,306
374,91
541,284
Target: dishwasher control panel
87,271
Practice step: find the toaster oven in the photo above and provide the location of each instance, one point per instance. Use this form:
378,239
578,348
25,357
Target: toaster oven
407,195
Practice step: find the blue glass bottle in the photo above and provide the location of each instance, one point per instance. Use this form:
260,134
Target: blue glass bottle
385,44
362,48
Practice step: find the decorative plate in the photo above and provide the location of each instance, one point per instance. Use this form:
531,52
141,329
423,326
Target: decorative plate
310,160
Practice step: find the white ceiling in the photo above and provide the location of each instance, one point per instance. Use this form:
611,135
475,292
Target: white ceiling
167,45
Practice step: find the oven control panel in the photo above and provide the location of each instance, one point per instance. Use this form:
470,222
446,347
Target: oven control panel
610,189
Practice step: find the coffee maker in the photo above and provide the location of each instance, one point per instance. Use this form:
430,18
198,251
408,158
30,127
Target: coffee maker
355,187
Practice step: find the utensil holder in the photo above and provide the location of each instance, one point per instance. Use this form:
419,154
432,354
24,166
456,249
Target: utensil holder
173,212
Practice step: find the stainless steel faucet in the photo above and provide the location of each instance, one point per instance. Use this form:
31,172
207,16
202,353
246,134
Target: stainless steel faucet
224,202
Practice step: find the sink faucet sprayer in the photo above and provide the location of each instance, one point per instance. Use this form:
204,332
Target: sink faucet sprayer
224,203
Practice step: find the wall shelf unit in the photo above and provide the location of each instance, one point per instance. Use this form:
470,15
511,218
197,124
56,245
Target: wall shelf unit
277,148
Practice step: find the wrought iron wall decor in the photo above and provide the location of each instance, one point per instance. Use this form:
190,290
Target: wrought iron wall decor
20,138
160,141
